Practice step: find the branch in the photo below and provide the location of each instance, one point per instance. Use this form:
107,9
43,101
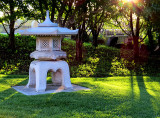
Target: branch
121,27
6,12
66,16
131,23
4,9
142,39
59,8
99,28
141,26
142,29
126,18
101,17
5,28
20,25
137,26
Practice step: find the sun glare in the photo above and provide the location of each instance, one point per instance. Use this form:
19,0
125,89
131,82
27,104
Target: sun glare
125,1
1,13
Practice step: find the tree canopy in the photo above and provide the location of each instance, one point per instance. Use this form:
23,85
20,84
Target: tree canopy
12,11
134,17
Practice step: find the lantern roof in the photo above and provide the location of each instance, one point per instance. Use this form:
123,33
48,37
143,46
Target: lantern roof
48,28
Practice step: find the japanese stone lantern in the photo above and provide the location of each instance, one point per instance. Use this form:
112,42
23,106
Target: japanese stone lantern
48,55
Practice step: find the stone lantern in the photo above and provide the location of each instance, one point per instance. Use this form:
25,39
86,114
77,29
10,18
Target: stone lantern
48,55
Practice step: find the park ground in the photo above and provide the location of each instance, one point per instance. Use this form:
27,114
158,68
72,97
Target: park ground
130,96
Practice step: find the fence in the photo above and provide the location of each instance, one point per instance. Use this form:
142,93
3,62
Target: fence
111,33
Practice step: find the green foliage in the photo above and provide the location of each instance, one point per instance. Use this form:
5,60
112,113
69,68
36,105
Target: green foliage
97,62
89,68
70,47
9,68
13,10
18,61
119,68
155,37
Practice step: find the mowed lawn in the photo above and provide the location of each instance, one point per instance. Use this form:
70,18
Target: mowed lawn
137,97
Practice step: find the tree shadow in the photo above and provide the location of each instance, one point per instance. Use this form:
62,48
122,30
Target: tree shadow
97,102
6,90
53,105
145,98
143,104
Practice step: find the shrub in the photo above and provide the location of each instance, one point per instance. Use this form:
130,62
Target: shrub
101,61
19,60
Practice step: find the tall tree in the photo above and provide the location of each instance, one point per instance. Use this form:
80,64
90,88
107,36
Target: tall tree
128,16
78,20
40,7
60,10
99,11
12,10
76,14
152,16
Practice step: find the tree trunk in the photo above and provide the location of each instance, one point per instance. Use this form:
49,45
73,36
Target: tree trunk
11,27
159,40
66,17
136,47
135,39
46,5
137,26
78,50
60,14
131,23
150,36
158,48
41,9
59,19
53,10
95,38
11,36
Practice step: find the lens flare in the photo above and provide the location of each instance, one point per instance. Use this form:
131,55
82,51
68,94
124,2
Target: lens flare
125,1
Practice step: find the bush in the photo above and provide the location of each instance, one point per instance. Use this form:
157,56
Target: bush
146,41
101,61
18,61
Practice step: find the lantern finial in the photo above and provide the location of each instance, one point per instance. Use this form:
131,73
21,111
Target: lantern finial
47,15
47,22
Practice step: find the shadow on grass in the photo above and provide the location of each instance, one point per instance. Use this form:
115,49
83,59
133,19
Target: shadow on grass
51,105
78,104
142,104
145,99
101,101
6,82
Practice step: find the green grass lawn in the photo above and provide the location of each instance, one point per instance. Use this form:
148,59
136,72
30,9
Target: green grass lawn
136,96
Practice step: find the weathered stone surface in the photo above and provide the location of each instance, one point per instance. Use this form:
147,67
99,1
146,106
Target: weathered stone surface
50,89
48,43
38,74
48,55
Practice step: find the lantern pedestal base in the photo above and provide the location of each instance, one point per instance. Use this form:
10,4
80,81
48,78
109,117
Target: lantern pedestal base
38,73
